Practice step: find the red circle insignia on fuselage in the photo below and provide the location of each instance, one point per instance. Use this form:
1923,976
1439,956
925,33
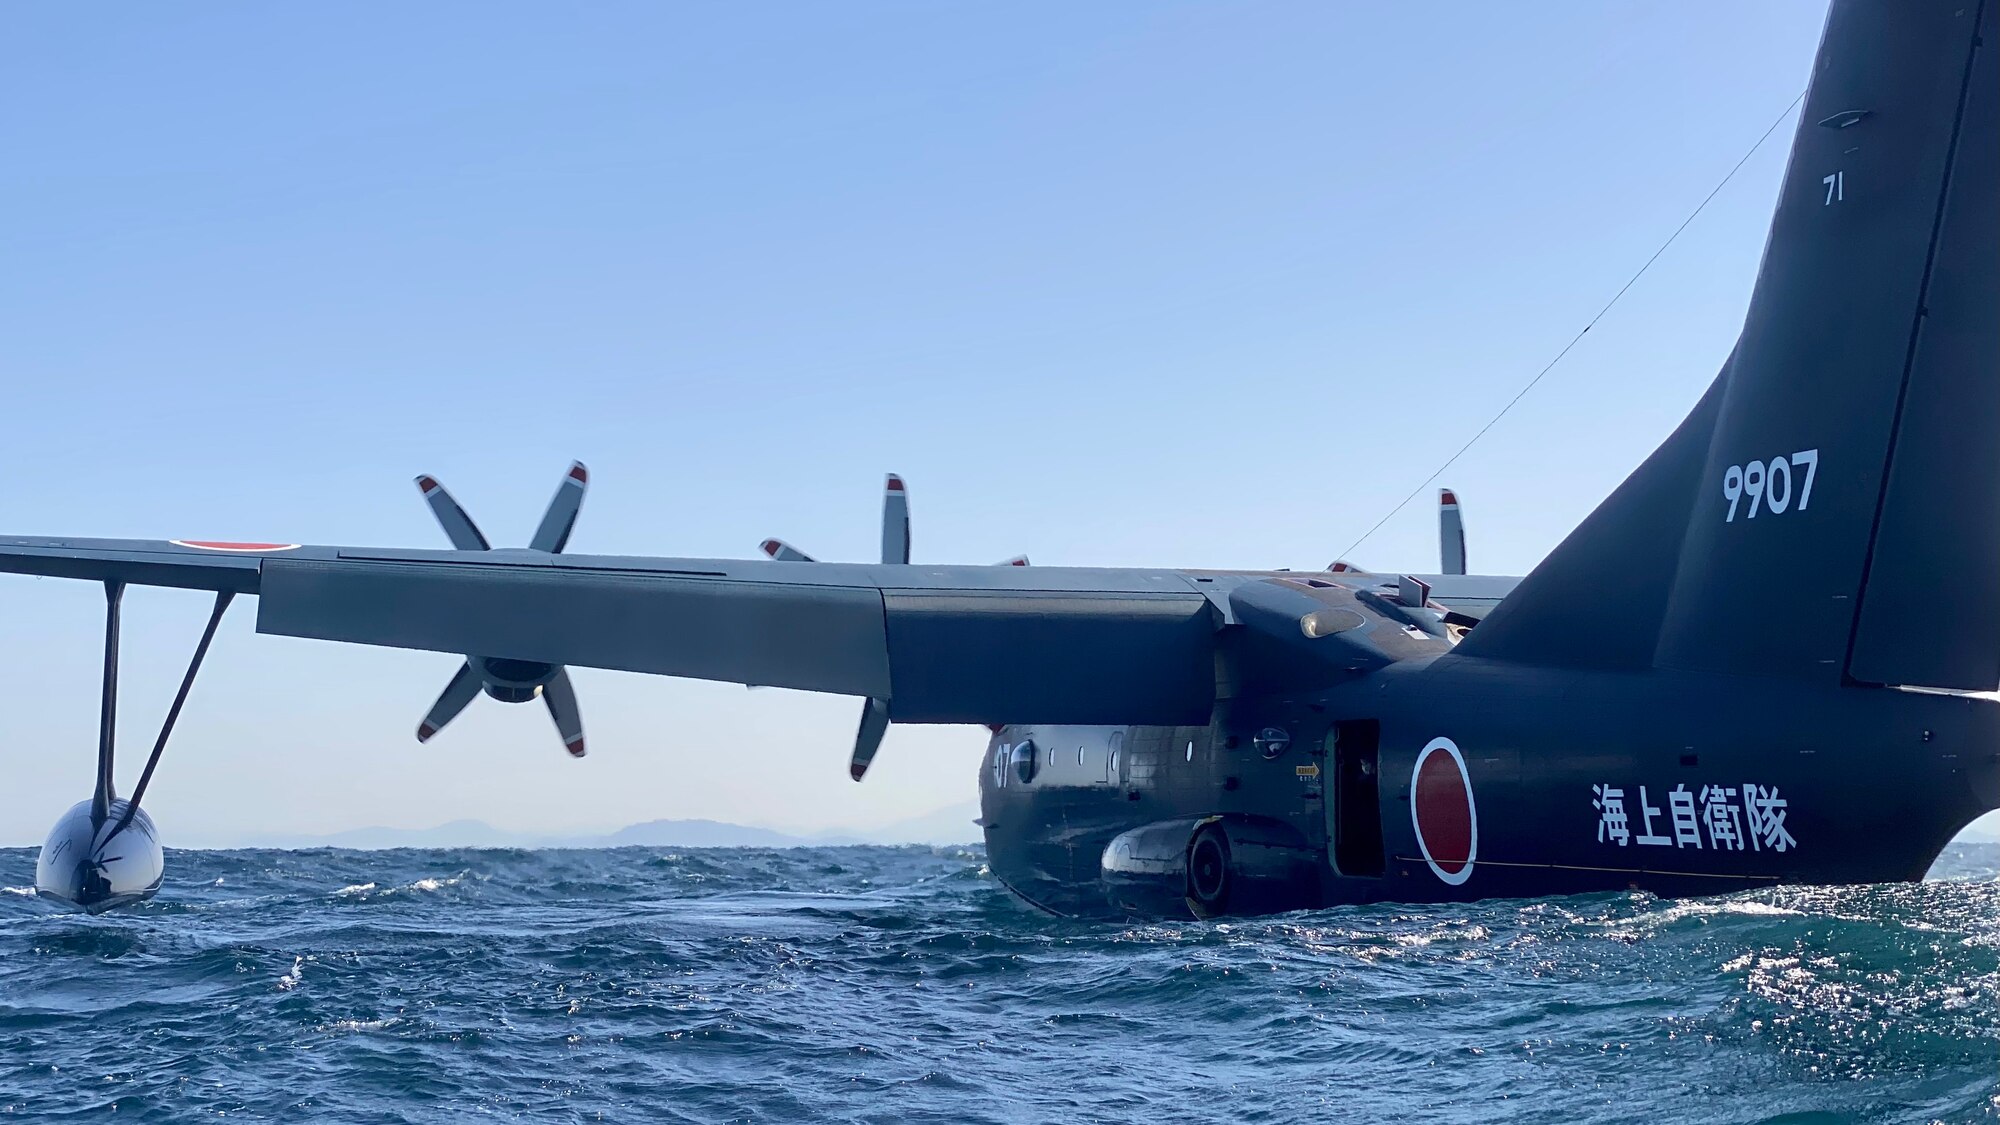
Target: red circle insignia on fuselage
251,548
1443,813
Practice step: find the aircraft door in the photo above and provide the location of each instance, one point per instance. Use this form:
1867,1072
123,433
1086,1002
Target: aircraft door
1356,805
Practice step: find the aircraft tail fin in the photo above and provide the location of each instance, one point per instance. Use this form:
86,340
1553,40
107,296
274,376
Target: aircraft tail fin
1831,509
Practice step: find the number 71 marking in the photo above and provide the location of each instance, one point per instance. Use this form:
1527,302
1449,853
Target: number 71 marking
1836,188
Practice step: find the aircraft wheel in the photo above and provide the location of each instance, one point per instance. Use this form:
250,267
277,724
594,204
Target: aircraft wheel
1208,871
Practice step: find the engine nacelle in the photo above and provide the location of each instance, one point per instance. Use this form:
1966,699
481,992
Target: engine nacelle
1211,865
92,864
512,681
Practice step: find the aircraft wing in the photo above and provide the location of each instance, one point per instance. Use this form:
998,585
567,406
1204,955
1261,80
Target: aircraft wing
1470,595
940,643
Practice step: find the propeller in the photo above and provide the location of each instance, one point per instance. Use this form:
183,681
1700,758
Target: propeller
895,521
1451,534
782,551
1451,540
510,681
896,552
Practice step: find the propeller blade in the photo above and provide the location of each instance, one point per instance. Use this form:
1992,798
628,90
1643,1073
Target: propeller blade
450,702
1451,534
782,551
868,739
1017,560
458,527
561,699
560,519
895,522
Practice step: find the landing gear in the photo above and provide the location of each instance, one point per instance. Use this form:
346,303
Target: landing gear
104,852
1208,870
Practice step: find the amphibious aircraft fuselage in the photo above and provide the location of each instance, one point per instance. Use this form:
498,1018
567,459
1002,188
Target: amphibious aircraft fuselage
1528,783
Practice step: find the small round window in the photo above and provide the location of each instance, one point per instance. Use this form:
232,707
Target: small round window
1024,761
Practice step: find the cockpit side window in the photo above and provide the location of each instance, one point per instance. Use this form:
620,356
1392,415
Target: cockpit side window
1025,761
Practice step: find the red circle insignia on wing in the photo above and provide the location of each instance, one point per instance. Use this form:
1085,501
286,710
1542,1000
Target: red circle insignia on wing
241,548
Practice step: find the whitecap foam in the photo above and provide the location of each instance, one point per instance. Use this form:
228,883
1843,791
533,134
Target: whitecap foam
361,1025
291,979
432,883
18,890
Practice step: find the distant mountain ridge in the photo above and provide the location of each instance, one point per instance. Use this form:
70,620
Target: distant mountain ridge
952,825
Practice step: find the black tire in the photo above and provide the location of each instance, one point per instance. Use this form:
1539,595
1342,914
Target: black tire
1208,867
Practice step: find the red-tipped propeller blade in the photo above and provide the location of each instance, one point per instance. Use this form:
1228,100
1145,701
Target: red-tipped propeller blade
450,702
895,521
458,527
560,519
1451,534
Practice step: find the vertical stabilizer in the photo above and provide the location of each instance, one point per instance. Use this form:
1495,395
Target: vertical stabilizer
1854,436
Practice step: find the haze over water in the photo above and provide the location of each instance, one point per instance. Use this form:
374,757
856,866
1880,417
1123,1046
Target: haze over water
902,984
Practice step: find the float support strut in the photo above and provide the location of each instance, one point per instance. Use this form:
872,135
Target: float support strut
107,718
222,599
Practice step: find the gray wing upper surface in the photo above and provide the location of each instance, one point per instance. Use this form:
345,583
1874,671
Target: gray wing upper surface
941,643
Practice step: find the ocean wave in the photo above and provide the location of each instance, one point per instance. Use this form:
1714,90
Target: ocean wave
862,983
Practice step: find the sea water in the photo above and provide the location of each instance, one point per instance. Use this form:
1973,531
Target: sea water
903,984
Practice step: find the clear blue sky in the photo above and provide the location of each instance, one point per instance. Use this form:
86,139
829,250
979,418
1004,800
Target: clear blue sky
1113,284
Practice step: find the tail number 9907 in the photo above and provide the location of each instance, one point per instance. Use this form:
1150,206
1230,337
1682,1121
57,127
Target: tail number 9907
1770,484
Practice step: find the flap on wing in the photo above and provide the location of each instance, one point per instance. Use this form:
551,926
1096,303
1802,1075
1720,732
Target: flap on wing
938,655
998,656
820,638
